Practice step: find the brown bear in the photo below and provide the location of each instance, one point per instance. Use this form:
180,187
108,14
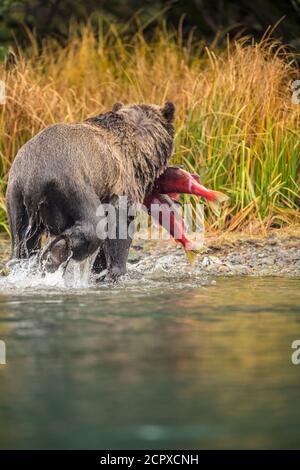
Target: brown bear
60,176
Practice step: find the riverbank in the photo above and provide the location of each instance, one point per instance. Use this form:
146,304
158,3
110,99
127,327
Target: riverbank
275,254
235,254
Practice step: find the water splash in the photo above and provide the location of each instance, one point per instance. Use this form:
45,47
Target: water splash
150,272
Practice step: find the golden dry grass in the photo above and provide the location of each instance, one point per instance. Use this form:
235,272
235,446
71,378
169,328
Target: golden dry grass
236,124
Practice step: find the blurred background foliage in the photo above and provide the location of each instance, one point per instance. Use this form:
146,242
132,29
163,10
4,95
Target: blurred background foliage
221,62
210,20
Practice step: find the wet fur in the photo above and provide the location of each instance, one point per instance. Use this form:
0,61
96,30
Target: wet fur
60,176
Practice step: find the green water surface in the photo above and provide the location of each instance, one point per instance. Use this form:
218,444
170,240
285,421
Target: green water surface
160,366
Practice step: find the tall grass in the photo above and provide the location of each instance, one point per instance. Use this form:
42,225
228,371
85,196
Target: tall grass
236,124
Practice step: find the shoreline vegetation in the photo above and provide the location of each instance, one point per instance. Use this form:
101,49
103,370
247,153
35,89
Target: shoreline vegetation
236,124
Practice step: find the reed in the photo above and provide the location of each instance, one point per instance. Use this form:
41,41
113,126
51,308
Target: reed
236,123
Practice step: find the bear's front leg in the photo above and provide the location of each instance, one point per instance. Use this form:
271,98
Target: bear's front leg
116,254
113,255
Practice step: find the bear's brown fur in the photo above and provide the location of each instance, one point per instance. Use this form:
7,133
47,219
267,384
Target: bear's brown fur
60,176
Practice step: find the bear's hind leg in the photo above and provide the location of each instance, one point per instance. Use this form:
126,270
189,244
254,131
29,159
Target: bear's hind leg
78,241
100,263
25,234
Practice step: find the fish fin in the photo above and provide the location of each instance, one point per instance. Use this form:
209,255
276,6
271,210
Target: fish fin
196,178
191,255
218,199
174,196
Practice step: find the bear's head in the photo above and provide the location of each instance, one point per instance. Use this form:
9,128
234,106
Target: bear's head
149,130
144,135
144,116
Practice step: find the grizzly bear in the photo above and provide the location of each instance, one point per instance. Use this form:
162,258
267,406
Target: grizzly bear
60,176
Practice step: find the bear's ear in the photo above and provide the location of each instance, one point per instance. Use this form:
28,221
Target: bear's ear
168,111
117,106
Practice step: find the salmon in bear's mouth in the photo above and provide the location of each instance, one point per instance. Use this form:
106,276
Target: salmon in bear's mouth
166,192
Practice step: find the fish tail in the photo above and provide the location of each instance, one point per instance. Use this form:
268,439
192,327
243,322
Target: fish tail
218,199
192,250
191,255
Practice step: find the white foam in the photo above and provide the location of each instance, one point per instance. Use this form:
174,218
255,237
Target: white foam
27,274
151,271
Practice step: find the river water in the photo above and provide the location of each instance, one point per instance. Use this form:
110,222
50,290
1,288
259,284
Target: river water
165,359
